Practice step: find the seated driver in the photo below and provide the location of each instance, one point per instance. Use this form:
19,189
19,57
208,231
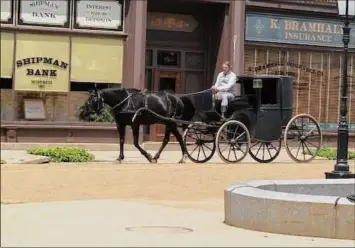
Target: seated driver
225,86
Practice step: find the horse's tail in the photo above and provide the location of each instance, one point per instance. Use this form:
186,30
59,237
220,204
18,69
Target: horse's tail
189,110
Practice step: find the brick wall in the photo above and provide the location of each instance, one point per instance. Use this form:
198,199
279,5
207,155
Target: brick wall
59,107
316,75
6,105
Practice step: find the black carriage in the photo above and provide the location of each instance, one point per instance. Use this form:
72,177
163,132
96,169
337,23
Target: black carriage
257,122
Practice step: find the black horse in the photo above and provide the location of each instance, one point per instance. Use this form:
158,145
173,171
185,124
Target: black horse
125,103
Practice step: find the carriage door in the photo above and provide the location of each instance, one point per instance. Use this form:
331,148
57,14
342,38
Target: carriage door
165,80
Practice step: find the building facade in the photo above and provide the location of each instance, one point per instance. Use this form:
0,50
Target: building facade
306,45
54,52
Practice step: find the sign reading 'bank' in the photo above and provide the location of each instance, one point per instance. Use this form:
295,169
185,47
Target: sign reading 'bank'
296,30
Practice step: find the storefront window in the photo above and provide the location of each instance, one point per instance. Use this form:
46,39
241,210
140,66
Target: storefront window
316,77
54,13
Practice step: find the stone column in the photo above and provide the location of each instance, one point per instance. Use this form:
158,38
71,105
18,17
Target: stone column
134,50
237,15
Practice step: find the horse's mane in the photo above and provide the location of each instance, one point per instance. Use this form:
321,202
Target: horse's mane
130,90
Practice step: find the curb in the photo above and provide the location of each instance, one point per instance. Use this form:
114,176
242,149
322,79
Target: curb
172,146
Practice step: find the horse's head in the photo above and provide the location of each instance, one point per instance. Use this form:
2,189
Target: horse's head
96,103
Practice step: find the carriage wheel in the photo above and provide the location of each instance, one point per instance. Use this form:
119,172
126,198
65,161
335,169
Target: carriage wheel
303,138
265,152
233,141
199,143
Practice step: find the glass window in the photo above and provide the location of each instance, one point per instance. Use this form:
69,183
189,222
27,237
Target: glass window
168,58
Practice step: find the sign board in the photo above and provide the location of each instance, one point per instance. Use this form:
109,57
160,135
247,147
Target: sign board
296,30
34,109
171,22
42,63
101,14
54,13
6,11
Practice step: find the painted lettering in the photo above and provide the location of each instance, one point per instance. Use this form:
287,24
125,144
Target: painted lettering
41,72
288,63
274,24
47,60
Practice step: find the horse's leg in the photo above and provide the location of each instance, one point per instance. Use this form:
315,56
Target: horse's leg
178,136
165,142
135,131
122,134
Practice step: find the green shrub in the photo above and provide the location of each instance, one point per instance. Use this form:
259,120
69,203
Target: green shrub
331,153
63,154
105,116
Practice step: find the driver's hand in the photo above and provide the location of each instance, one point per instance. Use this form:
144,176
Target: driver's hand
214,90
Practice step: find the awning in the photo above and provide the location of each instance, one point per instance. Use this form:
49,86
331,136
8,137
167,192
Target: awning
42,63
97,60
7,54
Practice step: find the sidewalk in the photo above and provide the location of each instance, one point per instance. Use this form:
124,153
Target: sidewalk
131,157
105,223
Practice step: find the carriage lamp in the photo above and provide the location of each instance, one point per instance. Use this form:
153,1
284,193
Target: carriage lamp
346,11
257,83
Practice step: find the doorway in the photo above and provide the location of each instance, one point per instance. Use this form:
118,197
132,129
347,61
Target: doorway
169,81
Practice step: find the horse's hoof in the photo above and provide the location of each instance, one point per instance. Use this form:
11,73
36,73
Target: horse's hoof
153,161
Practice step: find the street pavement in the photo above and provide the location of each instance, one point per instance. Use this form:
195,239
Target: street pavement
131,157
116,223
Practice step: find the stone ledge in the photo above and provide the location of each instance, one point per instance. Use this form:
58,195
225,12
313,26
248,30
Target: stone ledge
262,206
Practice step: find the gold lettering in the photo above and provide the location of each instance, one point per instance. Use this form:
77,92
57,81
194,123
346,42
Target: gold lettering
274,24
312,27
303,27
329,29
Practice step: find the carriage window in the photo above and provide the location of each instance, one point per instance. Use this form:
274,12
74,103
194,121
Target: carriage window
269,91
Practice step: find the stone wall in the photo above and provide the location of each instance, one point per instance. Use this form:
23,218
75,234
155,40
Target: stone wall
7,113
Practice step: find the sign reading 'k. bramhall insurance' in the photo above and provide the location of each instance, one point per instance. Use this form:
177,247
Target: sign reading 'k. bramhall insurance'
296,30
49,13
101,14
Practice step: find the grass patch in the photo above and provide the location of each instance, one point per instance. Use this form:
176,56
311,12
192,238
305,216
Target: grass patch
331,153
63,154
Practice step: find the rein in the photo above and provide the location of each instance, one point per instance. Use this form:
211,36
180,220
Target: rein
127,98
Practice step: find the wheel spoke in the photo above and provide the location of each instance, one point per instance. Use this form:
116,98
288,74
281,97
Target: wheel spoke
254,144
311,144
304,153
263,150
194,149
269,151
235,132
203,151
240,136
198,155
299,147
310,153
258,150
307,134
229,153
235,154
207,146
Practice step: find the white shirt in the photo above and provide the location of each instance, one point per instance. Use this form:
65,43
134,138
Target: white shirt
226,82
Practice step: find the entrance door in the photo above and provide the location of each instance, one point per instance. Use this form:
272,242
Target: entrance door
164,80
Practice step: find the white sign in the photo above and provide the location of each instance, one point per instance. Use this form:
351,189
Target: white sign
44,12
6,10
106,14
